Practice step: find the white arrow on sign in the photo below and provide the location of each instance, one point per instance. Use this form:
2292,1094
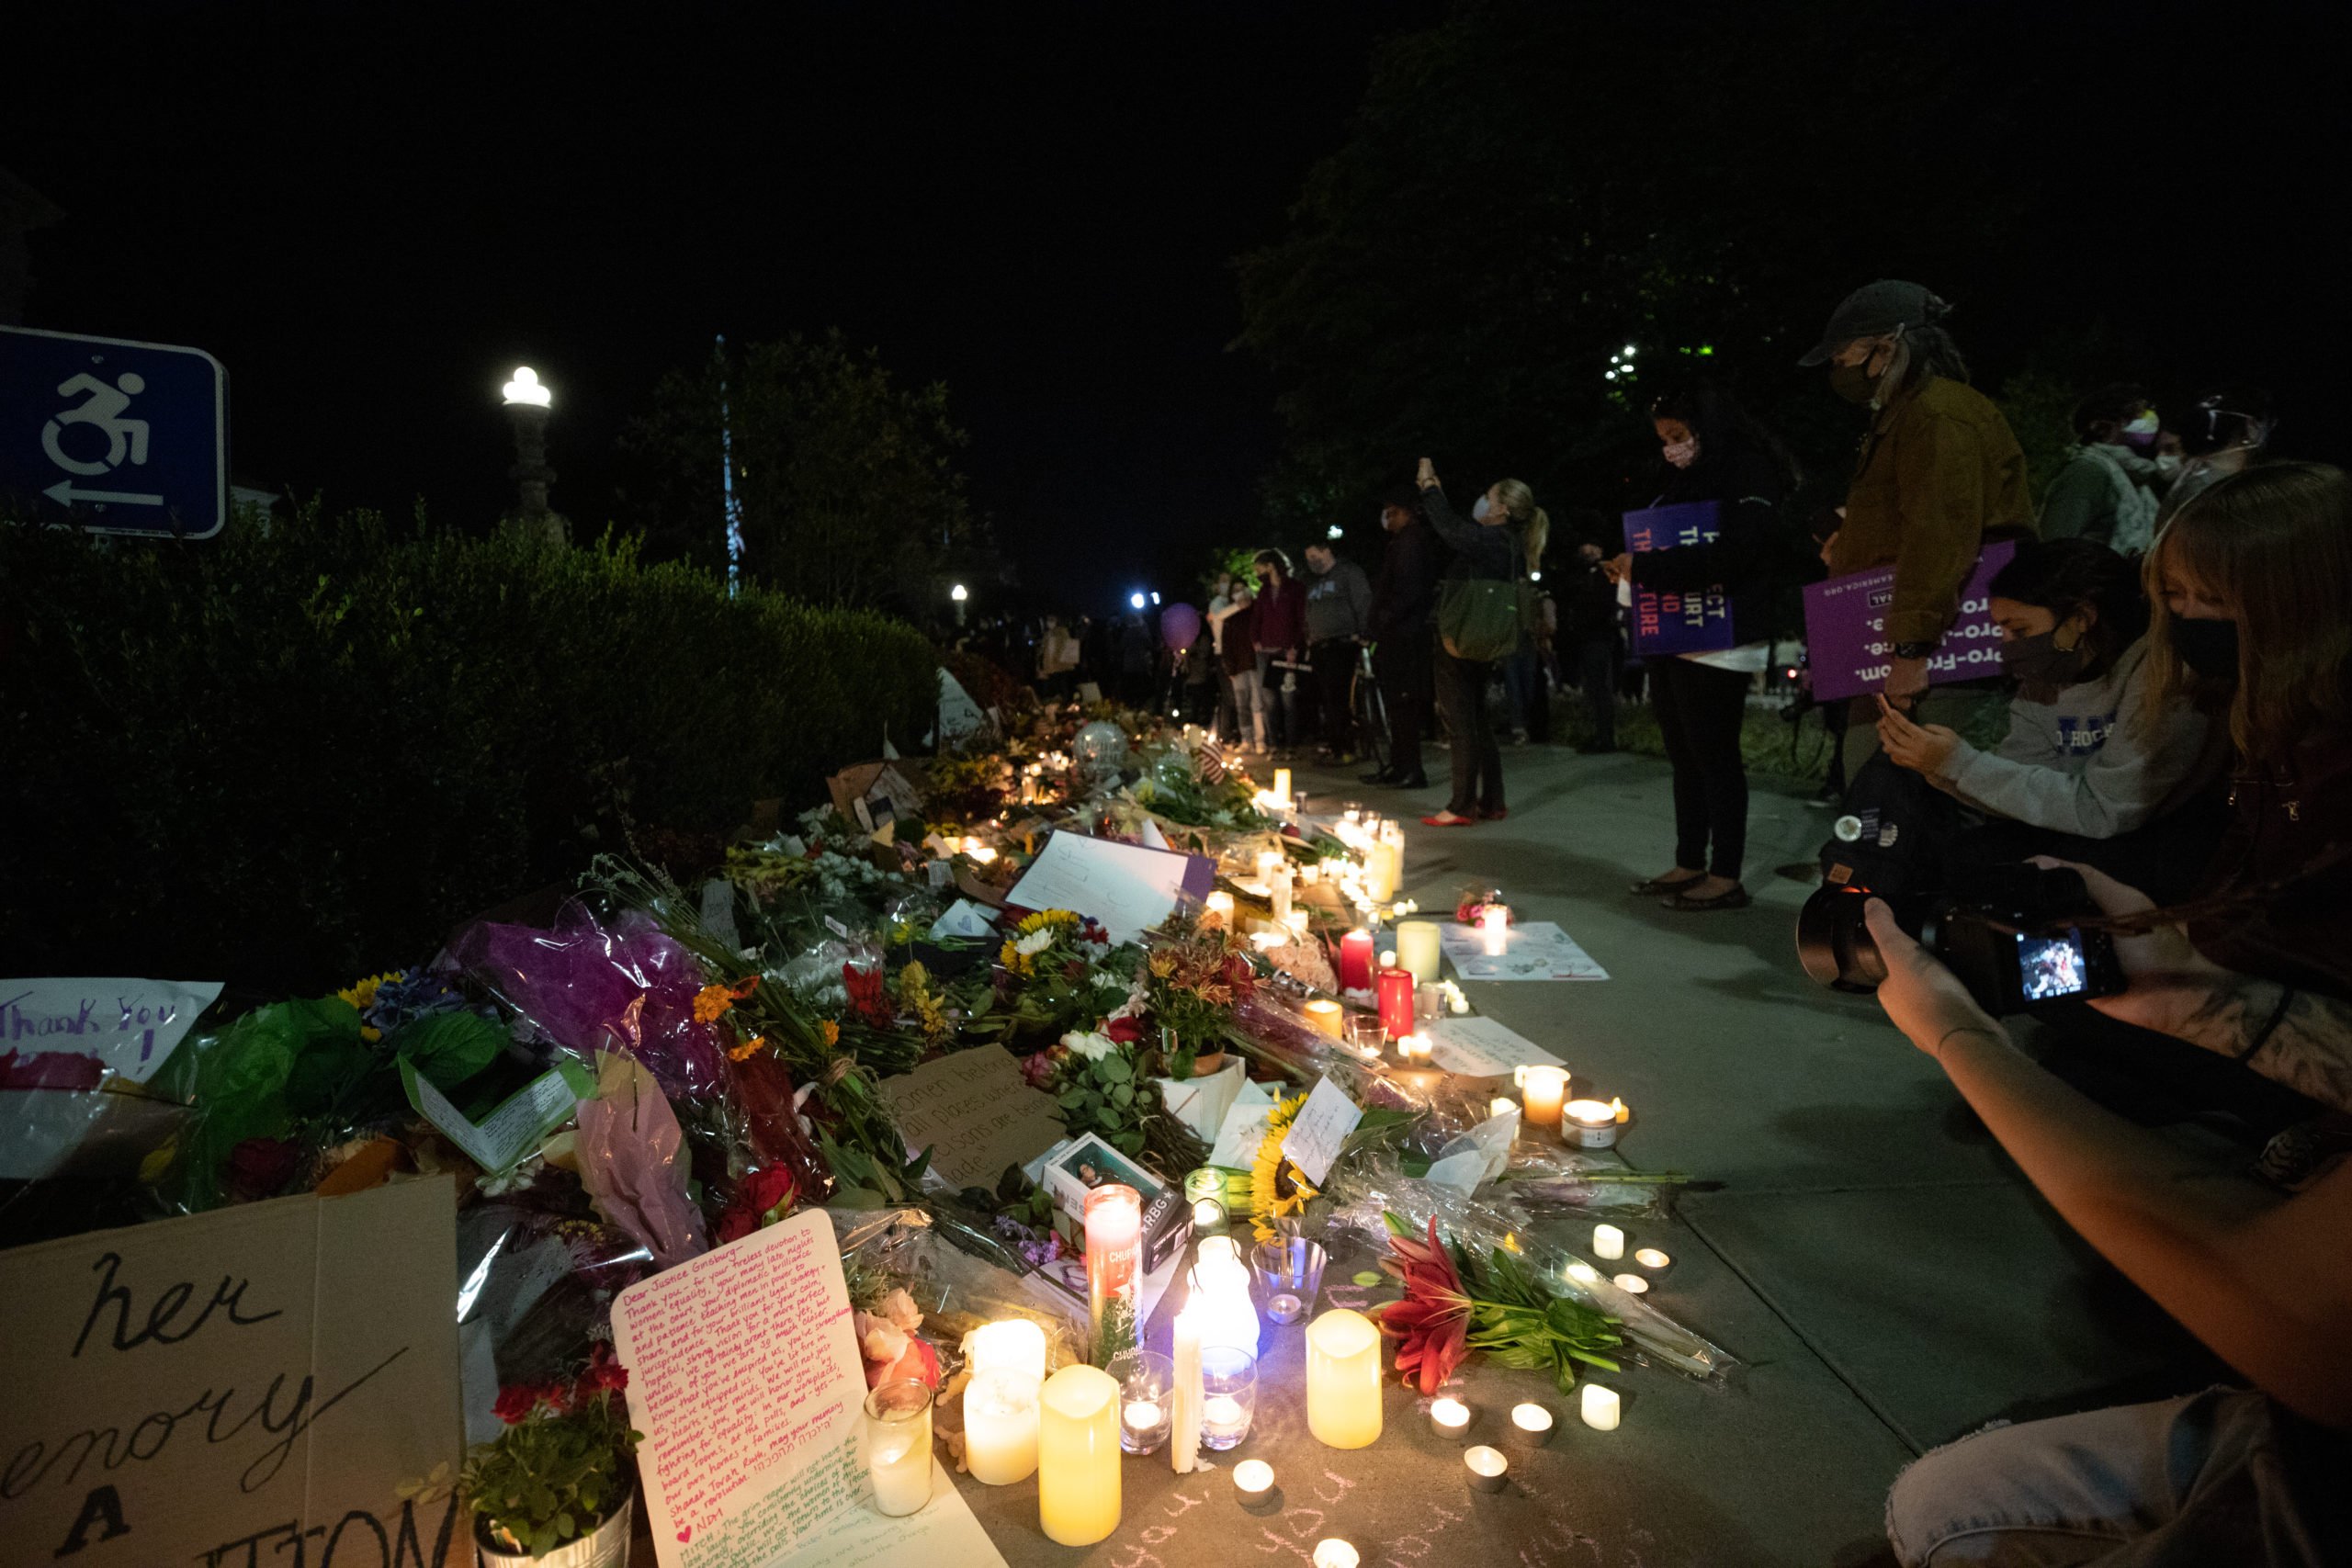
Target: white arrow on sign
64,494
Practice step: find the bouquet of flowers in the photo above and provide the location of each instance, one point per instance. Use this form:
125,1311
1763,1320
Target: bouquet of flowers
1455,1302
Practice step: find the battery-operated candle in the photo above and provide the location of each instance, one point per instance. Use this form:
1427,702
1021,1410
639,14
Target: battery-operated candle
1417,949
1651,1257
1487,1468
1631,1284
1450,1418
1608,1243
1000,1426
1397,1001
1077,1456
1600,1408
1343,1379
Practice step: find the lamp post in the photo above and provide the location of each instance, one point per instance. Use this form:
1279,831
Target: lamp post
959,593
527,400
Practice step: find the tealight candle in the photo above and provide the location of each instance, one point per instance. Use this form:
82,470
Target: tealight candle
1322,1012
1608,1243
1584,1273
1631,1284
1532,1424
1253,1483
1651,1257
1142,1415
1600,1408
1541,1089
1415,1048
1224,1420
1450,1418
1331,1552
1588,1125
1501,1105
1487,1468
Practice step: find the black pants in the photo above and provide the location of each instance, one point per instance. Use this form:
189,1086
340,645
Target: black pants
1478,762
1597,674
1402,664
1335,669
1700,709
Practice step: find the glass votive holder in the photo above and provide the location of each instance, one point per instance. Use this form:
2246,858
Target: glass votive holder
1229,1395
1290,1272
1366,1036
1146,1399
897,1446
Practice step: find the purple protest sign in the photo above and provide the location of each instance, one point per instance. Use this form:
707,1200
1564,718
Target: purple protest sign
1845,630
1668,621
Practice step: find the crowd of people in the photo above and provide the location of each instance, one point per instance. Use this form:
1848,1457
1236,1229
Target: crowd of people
2171,719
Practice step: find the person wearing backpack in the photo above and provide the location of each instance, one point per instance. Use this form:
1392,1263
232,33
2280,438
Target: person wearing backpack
1485,606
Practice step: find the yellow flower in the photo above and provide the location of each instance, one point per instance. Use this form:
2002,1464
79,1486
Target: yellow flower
1045,920
1277,1188
711,1004
362,995
831,1031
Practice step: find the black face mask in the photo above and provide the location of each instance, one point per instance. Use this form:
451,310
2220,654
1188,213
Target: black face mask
2209,648
2038,660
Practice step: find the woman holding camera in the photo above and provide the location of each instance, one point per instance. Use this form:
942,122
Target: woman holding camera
1502,540
1713,452
2094,768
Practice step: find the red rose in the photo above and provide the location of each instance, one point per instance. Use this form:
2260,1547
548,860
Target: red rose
515,1403
1125,1031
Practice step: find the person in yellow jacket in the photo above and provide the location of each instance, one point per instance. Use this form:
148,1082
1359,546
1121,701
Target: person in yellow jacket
1938,468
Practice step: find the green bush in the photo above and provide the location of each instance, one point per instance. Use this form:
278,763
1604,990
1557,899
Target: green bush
286,760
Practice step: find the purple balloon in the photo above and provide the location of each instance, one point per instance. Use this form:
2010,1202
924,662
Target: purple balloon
1180,626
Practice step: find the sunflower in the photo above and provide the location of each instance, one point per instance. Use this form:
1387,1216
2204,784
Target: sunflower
362,996
1277,1188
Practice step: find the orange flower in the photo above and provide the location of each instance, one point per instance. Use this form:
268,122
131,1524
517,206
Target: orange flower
711,1004
756,1043
832,1031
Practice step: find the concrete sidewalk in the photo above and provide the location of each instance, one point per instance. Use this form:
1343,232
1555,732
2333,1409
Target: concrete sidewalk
1888,1276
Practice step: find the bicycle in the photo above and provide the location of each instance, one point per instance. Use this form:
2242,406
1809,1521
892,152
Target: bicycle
1372,740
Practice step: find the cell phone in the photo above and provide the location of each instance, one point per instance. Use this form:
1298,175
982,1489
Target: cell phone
1425,471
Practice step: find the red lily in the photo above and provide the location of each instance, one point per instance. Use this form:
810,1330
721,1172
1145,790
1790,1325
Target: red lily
865,987
1432,1323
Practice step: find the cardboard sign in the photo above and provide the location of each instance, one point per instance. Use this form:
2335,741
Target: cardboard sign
251,1386
972,1111
1845,630
873,793
1126,887
1665,620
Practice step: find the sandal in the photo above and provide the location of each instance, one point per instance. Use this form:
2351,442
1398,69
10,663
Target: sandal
1737,898
1448,819
1497,814
1657,884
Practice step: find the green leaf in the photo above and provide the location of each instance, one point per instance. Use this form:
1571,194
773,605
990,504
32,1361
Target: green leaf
449,1047
1113,1068
1122,1097
1367,1277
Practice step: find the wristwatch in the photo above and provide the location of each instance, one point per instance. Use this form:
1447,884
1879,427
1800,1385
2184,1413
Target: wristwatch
1914,649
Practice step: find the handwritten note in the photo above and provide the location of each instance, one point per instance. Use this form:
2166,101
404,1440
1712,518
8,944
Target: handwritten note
745,1377
1244,1127
1321,1125
125,1026
520,1124
1534,950
238,1387
1481,1048
972,1111
1126,887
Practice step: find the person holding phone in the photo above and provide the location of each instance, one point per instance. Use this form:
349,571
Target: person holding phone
1501,539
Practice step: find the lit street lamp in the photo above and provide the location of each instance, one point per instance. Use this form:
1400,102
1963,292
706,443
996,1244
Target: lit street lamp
527,400
959,593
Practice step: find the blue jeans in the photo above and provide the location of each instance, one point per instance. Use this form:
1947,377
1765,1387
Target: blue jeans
2208,1479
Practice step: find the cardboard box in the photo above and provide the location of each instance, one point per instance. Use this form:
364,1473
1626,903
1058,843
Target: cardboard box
1075,1167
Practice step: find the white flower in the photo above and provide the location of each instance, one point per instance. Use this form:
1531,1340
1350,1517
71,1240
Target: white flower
1092,1046
1036,941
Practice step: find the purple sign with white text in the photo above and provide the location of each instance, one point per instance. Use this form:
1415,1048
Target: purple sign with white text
1845,630
1668,621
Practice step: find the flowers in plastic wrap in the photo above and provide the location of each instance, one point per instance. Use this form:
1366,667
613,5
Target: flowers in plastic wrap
1279,1189
891,1348
1455,1302
631,1161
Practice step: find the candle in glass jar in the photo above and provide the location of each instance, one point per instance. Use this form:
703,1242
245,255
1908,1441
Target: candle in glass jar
1608,1243
1113,1252
1494,925
1343,1379
1417,949
1324,1014
1396,1002
1355,960
1600,1408
1077,1456
1000,1426
1220,907
1224,1420
1142,1415
1542,1090
897,1446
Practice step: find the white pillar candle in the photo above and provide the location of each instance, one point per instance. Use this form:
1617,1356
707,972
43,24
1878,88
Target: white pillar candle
1608,1243
1600,1408
1651,1257
1000,1426
1487,1468
1142,1415
1185,1422
1418,949
1015,1344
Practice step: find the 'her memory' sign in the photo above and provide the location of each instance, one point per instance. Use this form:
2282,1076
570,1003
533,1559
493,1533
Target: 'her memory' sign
270,1384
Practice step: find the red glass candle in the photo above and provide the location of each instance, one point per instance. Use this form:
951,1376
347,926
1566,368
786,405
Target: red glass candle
1355,960
1397,1002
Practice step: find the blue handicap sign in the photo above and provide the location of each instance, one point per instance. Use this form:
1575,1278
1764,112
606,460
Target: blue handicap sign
118,438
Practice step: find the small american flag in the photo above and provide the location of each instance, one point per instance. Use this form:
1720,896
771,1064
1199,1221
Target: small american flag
1212,760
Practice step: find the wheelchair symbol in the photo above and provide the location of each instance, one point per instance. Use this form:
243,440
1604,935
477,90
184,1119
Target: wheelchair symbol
104,408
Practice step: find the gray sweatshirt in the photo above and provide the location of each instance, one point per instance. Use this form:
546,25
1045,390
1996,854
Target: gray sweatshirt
1338,601
2092,761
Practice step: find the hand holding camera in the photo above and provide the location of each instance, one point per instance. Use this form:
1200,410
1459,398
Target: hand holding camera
1922,997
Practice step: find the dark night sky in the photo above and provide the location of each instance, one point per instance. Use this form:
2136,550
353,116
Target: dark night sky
368,213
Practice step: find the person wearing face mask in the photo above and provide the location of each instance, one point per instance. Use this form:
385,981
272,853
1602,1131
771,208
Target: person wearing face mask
1501,541
2091,769
2224,433
1714,452
1590,636
2111,486
1939,469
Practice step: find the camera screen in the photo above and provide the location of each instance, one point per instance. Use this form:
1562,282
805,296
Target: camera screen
2050,967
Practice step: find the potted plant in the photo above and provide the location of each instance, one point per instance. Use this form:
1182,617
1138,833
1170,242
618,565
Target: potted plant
555,1487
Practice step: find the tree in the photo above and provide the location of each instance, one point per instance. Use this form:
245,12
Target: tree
847,481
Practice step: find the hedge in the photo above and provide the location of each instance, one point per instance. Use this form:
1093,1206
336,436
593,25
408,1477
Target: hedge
284,760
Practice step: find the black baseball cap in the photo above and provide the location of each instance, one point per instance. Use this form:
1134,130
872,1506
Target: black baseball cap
1874,309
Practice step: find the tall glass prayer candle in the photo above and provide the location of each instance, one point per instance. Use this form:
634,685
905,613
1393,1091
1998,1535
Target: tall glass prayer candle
1417,949
1113,1259
1077,1456
1355,960
1343,1379
1397,1001
1494,926
1541,1092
